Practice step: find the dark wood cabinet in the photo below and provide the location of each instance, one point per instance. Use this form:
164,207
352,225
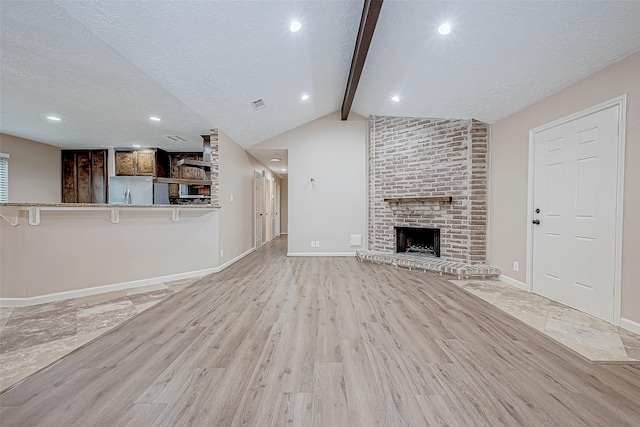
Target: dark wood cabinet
190,167
147,162
189,170
125,163
84,176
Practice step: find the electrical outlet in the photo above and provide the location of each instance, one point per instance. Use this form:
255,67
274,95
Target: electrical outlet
313,244
221,253
317,243
516,266
231,198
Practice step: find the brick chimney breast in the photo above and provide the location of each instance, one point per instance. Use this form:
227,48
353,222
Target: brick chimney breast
421,158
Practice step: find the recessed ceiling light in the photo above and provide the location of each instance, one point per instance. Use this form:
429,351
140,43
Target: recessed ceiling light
295,26
54,118
283,170
155,119
275,159
135,146
395,98
304,97
444,28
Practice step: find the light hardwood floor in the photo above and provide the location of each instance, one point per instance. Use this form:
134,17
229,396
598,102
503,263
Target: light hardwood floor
323,342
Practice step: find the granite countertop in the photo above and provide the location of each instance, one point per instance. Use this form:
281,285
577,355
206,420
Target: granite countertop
104,205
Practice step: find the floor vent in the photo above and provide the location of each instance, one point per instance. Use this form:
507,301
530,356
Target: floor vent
259,104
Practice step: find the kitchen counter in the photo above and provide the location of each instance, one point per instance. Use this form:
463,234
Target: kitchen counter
104,205
12,212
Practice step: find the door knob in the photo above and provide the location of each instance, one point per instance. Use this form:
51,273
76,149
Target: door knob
536,221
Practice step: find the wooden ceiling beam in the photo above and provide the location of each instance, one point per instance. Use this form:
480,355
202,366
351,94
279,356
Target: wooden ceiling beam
370,14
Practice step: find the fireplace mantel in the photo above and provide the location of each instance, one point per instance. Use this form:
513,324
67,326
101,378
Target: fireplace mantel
446,199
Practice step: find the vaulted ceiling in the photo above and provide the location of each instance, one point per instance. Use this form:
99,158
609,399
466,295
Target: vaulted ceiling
105,67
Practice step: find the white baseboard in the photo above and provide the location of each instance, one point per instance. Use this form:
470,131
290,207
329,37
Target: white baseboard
513,282
58,296
284,232
321,254
43,299
630,325
236,259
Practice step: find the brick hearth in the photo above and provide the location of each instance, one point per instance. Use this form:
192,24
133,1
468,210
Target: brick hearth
439,266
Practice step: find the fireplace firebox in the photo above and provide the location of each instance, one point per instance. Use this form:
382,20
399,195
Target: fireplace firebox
424,241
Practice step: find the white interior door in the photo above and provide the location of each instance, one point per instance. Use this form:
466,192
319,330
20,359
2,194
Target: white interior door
258,198
265,208
277,211
574,220
272,210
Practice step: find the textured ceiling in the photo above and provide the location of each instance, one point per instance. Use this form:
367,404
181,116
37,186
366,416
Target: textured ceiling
106,66
499,57
52,65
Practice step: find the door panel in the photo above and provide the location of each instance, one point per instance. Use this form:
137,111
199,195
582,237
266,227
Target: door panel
586,188
575,181
554,193
145,163
84,176
99,176
69,177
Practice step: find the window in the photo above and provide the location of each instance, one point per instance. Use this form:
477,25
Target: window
4,177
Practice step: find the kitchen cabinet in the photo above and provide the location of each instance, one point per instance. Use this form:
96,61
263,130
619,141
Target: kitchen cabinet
191,173
84,176
147,162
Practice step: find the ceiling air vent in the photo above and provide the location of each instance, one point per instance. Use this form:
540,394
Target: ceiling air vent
176,138
259,104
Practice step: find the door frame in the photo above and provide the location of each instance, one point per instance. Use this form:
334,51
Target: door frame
621,102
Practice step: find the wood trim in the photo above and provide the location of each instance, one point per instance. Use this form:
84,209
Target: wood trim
370,14
446,199
188,162
182,181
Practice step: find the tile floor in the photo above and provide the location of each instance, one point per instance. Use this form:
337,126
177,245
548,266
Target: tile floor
592,338
33,337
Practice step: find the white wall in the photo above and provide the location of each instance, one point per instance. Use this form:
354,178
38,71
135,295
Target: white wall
236,172
34,170
333,152
509,164
72,250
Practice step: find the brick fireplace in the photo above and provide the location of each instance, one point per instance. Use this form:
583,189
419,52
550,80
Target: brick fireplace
433,175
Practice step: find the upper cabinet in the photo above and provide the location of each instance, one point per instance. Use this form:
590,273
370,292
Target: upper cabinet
84,176
147,162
